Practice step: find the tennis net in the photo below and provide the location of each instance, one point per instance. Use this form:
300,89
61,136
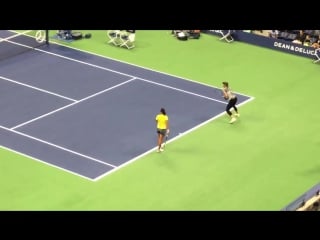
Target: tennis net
13,43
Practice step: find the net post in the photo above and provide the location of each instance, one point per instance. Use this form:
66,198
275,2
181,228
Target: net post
47,36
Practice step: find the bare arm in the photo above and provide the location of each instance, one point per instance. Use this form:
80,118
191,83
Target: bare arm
224,92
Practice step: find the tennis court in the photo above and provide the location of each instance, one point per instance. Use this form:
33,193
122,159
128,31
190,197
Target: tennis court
263,162
90,115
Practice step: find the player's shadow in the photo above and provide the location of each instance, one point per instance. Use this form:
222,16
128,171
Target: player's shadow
314,170
181,149
165,160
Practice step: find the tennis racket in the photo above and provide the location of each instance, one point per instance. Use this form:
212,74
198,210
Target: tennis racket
165,140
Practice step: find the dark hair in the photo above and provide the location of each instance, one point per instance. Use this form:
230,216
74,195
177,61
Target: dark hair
225,83
163,111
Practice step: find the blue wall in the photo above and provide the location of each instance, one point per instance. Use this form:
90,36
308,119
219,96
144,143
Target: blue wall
272,43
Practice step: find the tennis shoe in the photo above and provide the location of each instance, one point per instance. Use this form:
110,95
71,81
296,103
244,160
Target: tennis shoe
233,120
237,114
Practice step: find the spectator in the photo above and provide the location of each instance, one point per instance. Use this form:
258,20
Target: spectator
273,33
314,207
307,41
301,36
316,44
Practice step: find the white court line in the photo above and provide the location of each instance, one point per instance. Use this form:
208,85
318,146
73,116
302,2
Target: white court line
121,73
39,89
71,59
44,162
93,65
13,36
150,69
169,141
59,147
69,105
180,90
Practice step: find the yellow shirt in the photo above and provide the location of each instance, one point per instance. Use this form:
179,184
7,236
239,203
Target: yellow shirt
162,121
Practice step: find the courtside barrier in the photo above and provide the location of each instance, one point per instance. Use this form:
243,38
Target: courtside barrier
272,43
303,199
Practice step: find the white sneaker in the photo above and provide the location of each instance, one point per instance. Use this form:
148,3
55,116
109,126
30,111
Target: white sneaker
233,119
161,149
237,114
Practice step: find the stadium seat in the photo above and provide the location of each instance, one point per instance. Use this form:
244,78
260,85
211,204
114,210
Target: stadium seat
226,35
291,36
128,40
308,32
283,35
114,37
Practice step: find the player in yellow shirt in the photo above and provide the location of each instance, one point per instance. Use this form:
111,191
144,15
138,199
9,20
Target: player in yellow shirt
162,121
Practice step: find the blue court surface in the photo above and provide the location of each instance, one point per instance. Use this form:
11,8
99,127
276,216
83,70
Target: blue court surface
91,115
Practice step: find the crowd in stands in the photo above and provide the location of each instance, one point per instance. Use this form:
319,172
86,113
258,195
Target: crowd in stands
312,204
310,38
314,207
